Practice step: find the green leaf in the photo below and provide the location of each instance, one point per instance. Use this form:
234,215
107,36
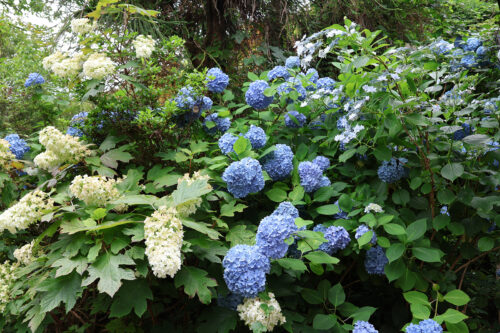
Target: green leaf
218,320
485,244
67,265
240,146
324,322
336,295
186,192
327,210
416,297
110,158
457,297
230,208
365,239
311,296
252,76
109,143
107,269
360,61
446,197
395,251
298,192
239,234
394,270
195,282
320,257
382,153
416,230
477,139
293,264
276,195
364,313
202,227
62,289
132,295
99,214
138,199
394,229
440,221
420,311
451,316
452,171
460,327
347,155
427,254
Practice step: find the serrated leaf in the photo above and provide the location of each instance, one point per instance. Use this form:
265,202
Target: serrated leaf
186,192
202,227
62,289
195,282
67,265
132,295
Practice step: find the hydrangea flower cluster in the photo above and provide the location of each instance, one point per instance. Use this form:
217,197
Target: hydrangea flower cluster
363,327
393,170
144,46
30,209
326,246
271,235
34,79
326,83
217,80
292,62
24,254
190,207
375,261
187,99
245,269
18,146
337,237
251,312
465,131
64,65
292,84
278,72
221,124
314,75
373,207
425,326
98,66
60,148
311,176
363,229
226,143
279,163
77,120
341,214
256,136
441,47
7,278
299,121
95,190
322,161
255,95
244,177
5,154
286,208
163,233
82,26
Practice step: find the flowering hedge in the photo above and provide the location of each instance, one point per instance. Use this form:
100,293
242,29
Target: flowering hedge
295,202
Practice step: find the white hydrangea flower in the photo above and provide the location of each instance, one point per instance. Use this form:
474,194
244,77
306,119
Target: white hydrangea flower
144,46
94,190
7,278
251,312
69,66
30,209
24,254
190,207
163,233
369,89
82,26
98,66
52,59
5,154
373,207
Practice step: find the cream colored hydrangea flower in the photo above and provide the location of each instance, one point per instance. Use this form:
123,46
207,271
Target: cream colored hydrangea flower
373,207
190,207
94,190
30,209
69,67
98,66
47,160
7,278
53,59
82,26
144,46
163,233
5,154
24,254
251,312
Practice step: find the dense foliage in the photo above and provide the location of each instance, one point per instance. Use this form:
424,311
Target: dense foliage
353,186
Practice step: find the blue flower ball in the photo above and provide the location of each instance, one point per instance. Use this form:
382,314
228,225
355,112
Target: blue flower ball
292,62
314,75
322,161
244,177
298,122
279,163
363,327
256,136
18,146
34,79
375,261
338,238
271,235
226,143
326,83
286,208
255,95
217,80
310,176
278,72
393,170
221,124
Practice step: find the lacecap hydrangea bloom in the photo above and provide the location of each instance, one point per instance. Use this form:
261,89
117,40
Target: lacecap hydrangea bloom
322,161
393,170
292,62
326,83
34,79
190,207
82,26
251,312
144,46
163,233
24,254
7,278
256,136
98,66
245,269
278,72
94,190
18,146
363,229
310,176
279,163
6,155
425,326
226,143
217,80
337,237
244,177
298,122
29,210
271,235
363,327
286,208
220,124
255,95
375,261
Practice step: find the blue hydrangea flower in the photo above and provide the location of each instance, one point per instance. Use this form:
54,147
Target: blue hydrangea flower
341,214
205,103
326,83
271,235
17,146
322,161
468,61
221,124
286,208
314,77
430,326
472,44
310,176
363,327
444,210
226,143
73,131
255,95
326,246
441,47
465,131
278,72
363,229
245,269
256,136
316,124
338,238
217,80
393,170
375,261
481,51
33,79
324,182
292,62
290,85
79,118
185,98
289,122
244,177
412,328
77,121
279,163
230,301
